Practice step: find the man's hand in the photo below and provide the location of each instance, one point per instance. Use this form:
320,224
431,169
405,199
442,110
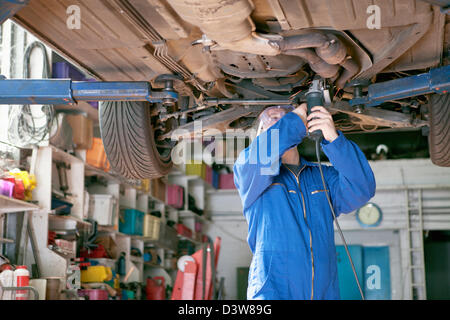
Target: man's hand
301,112
323,121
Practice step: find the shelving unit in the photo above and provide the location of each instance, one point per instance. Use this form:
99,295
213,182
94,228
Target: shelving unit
128,195
10,205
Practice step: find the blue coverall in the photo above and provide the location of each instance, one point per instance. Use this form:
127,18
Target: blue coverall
290,224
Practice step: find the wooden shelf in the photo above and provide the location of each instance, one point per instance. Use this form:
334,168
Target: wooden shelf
9,205
61,155
93,171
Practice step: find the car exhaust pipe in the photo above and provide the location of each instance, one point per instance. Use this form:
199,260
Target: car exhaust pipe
229,25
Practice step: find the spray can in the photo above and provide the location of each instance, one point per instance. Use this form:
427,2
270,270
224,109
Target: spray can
21,279
7,280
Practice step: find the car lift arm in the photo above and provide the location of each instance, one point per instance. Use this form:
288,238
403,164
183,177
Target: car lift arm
435,81
66,91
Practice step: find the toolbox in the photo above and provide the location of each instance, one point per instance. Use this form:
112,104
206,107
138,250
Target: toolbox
131,221
175,196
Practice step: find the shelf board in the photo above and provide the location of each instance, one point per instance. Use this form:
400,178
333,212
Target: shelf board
69,217
93,171
61,155
9,205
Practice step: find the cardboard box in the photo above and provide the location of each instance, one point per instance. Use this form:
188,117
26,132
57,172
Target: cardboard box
158,189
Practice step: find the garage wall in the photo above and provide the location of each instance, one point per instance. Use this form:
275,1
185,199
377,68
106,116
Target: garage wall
392,177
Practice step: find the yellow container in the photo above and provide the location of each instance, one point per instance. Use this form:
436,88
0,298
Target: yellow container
196,168
151,227
96,274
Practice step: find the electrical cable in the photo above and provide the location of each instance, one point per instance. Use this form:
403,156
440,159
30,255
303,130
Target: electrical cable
335,219
22,126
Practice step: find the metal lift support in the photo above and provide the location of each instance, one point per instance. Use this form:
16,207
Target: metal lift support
66,91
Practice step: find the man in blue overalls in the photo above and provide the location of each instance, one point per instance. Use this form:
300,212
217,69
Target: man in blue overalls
290,224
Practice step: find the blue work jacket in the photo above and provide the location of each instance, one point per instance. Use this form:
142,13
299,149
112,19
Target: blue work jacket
290,224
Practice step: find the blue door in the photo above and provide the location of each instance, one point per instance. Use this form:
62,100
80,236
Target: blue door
373,270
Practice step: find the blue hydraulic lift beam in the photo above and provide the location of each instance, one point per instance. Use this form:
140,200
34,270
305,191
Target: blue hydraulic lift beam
66,91
435,81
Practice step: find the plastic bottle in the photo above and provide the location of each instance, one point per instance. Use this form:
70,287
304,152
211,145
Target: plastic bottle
7,280
21,279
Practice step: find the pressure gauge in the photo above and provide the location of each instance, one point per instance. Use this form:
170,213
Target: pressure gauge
369,216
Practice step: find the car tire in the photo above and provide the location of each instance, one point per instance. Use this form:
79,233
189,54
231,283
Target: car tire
129,141
439,136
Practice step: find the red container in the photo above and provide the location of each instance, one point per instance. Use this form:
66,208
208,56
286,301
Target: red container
183,230
19,189
226,181
209,175
175,196
155,291
22,279
93,294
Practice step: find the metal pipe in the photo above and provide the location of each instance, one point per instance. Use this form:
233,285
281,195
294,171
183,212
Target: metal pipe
318,65
351,68
329,53
248,102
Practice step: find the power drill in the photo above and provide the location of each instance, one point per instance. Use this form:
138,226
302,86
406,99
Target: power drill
314,97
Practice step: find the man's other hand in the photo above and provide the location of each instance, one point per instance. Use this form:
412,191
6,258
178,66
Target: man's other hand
322,121
301,112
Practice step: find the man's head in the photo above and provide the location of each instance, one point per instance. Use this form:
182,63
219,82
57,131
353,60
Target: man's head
272,115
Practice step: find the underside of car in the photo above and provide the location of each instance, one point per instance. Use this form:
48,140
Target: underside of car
229,59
